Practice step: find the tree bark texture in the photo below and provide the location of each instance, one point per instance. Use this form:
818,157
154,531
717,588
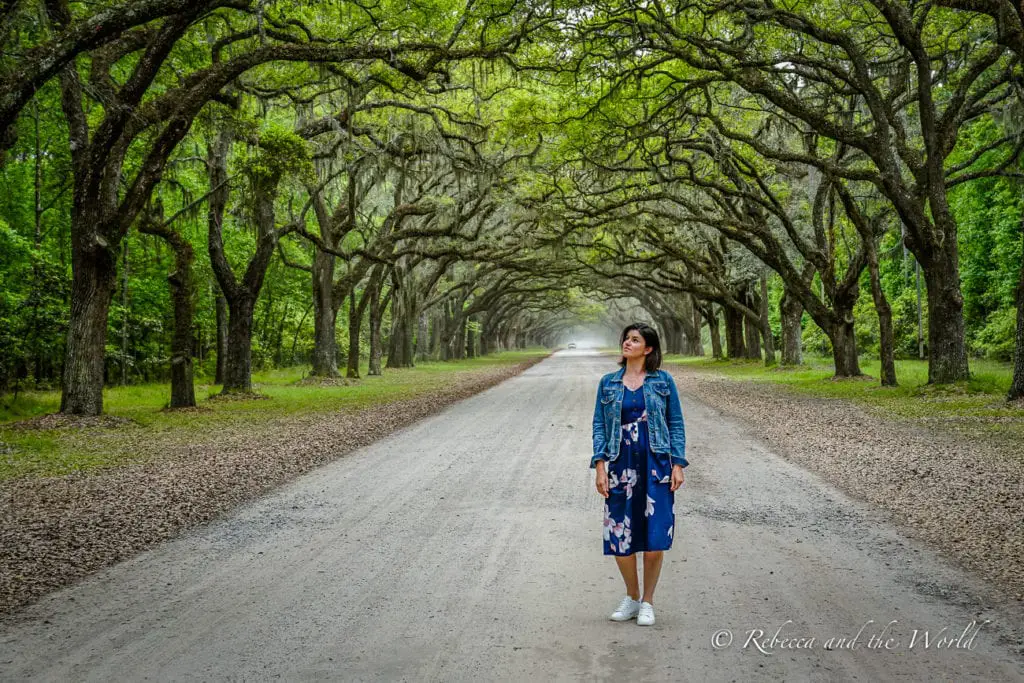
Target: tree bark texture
423,337
790,314
238,364
751,329
697,345
325,317
435,335
713,330
765,324
377,306
400,344
844,350
471,343
222,338
93,282
1017,384
357,308
734,344
182,287
947,350
886,343
355,322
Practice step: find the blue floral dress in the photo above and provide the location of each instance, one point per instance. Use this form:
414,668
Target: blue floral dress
638,512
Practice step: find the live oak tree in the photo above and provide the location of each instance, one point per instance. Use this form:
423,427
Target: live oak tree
936,77
466,177
148,86
1008,19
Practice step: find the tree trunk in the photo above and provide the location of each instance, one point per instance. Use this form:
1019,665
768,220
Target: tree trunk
486,342
376,314
409,338
222,338
37,360
680,334
94,280
1017,385
355,322
435,336
844,346
447,333
752,332
355,319
241,296
423,337
790,313
668,335
325,317
685,329
124,314
460,340
470,342
397,342
400,345
713,331
734,345
217,167
947,350
886,344
766,327
238,365
697,346
183,394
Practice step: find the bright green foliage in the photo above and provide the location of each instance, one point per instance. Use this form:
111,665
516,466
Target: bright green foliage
561,133
995,339
279,152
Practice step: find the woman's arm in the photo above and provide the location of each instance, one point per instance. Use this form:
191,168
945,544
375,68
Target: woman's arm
676,427
598,430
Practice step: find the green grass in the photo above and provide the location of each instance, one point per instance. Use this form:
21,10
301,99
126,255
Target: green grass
978,402
59,451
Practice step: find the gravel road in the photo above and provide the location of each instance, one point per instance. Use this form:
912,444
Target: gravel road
468,547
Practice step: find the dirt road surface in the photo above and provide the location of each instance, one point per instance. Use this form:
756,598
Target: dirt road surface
468,547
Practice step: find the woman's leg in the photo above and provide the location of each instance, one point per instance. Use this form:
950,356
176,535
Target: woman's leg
652,569
627,567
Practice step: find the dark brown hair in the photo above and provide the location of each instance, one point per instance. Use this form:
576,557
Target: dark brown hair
652,361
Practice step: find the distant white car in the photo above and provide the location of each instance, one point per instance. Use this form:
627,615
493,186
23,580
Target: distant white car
572,345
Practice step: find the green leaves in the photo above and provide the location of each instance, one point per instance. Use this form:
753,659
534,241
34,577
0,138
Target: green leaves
279,152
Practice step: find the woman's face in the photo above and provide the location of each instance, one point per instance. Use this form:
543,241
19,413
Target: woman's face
634,345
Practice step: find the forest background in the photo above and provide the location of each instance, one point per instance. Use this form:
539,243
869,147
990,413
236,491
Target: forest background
200,189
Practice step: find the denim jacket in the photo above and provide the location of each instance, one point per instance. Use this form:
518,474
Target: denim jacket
664,417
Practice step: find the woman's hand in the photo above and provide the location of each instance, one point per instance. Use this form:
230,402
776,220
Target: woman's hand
677,477
602,479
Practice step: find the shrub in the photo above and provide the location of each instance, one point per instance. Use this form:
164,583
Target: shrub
904,323
996,339
815,340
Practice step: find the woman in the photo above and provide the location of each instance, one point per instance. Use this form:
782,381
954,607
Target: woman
639,444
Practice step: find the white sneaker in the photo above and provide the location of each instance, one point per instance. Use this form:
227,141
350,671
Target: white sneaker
645,617
628,609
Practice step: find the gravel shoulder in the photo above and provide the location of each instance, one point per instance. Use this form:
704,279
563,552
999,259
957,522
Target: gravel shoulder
56,530
961,493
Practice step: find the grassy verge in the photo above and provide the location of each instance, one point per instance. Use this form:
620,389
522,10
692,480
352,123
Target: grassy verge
140,419
978,402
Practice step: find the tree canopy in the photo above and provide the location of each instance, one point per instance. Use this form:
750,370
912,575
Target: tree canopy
201,187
